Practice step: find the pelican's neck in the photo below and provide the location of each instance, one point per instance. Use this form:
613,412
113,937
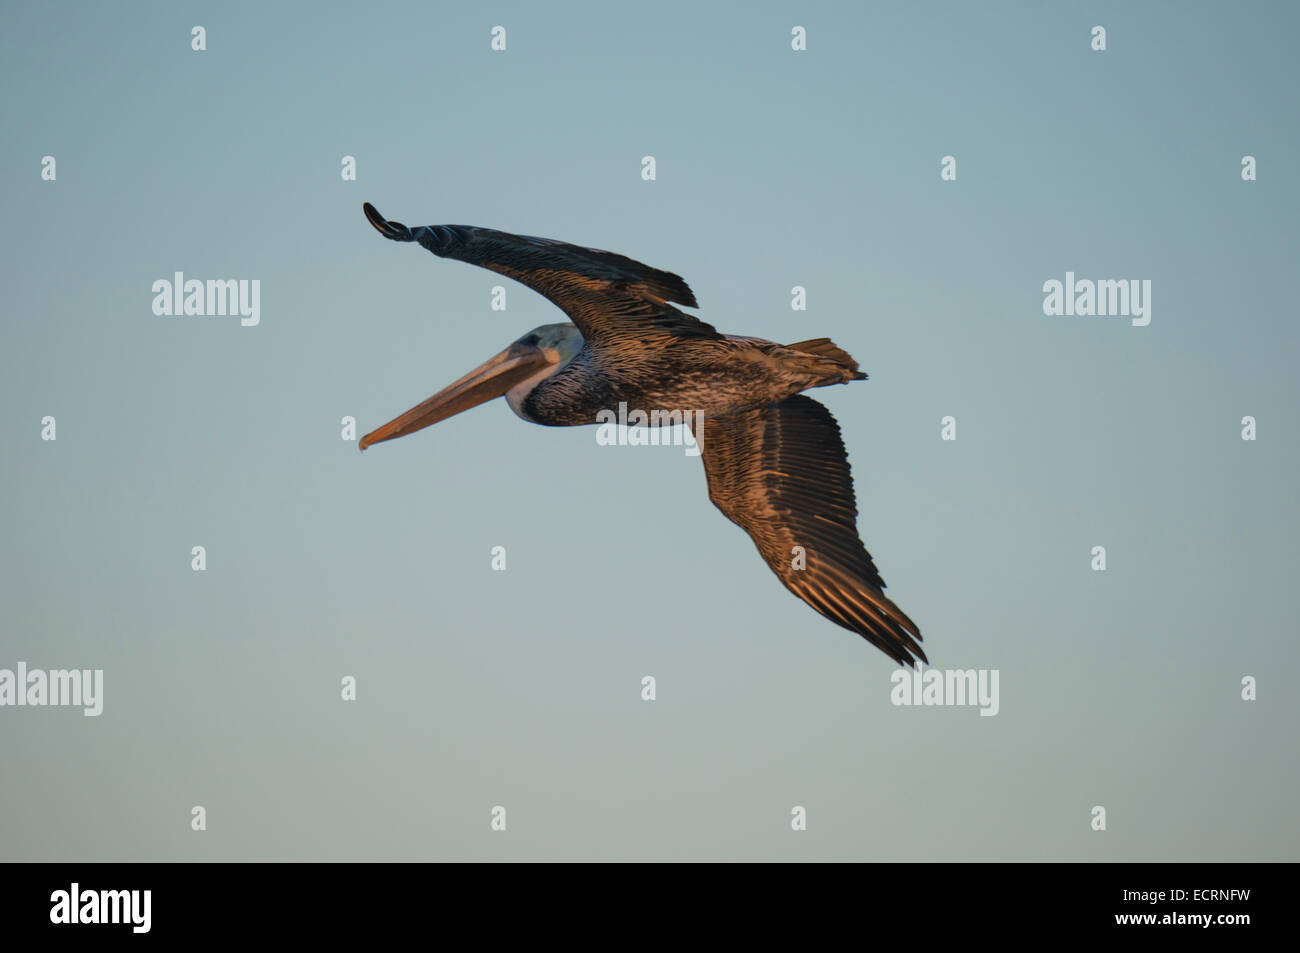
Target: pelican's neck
516,395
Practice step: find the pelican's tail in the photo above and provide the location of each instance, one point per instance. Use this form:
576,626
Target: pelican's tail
826,349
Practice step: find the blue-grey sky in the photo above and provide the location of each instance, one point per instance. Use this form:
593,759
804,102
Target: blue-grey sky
774,168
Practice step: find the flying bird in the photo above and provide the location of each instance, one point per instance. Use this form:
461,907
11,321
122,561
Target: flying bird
774,460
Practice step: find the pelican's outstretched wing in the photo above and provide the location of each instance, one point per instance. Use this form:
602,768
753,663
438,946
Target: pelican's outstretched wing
607,296
781,474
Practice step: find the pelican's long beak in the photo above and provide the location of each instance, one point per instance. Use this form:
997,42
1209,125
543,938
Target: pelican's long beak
490,379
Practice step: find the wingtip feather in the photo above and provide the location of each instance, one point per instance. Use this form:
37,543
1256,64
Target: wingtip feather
392,230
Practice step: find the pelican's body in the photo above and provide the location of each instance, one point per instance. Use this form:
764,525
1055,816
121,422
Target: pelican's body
712,377
774,459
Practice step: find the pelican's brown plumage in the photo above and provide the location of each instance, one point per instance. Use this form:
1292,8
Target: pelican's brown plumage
774,459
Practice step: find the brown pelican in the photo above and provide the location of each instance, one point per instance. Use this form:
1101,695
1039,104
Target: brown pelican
774,460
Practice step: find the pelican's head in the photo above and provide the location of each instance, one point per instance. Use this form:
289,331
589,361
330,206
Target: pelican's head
514,372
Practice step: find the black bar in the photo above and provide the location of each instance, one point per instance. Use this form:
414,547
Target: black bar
370,901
